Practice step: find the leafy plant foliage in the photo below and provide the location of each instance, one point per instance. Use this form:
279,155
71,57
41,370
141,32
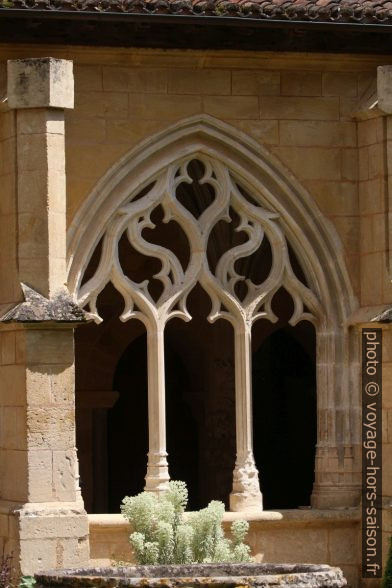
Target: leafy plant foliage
162,535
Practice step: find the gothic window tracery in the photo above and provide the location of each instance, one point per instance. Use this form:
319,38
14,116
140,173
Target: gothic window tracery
230,244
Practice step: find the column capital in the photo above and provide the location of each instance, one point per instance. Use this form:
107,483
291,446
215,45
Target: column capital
43,82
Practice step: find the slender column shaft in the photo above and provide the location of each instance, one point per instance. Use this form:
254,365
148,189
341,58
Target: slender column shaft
243,391
157,468
246,489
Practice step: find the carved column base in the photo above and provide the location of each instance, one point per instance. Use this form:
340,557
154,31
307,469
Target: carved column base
246,494
324,497
62,529
338,477
157,477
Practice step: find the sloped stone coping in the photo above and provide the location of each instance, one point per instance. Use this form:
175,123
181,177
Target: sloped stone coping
197,575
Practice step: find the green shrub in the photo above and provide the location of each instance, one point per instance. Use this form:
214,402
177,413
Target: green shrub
162,535
387,578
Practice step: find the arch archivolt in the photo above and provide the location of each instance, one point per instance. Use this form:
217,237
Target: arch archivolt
270,205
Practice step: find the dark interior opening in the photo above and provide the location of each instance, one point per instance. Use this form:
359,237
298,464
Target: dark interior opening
284,416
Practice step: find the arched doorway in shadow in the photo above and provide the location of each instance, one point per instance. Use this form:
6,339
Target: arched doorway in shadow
284,415
128,425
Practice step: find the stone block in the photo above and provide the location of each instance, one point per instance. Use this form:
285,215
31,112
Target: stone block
335,198
13,427
13,486
347,108
50,428
57,237
363,163
40,83
130,132
371,279
32,152
64,475
352,574
40,479
82,130
305,545
255,82
370,131
10,292
101,105
36,190
88,78
349,165
73,551
311,163
344,546
301,83
340,84
299,108
199,81
49,347
164,106
7,348
228,107
8,239
7,125
92,163
38,555
4,528
151,80
384,88
8,150
33,237
8,195
50,525
317,133
373,234
32,121
376,160
371,196
62,386
264,131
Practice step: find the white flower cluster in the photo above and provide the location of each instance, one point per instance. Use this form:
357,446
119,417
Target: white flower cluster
162,536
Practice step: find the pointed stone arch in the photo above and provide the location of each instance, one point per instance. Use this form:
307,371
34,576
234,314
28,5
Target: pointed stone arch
319,252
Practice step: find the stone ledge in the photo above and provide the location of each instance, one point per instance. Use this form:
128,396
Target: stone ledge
36,308
102,522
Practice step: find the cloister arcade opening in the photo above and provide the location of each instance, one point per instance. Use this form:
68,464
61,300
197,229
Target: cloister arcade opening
199,359
200,410
208,272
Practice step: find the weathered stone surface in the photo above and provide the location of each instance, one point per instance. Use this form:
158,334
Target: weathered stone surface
383,317
37,308
222,575
40,83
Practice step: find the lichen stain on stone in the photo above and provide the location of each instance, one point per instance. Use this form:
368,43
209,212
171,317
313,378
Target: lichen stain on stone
37,308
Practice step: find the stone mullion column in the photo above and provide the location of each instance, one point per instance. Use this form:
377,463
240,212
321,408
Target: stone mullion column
246,493
157,467
39,487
